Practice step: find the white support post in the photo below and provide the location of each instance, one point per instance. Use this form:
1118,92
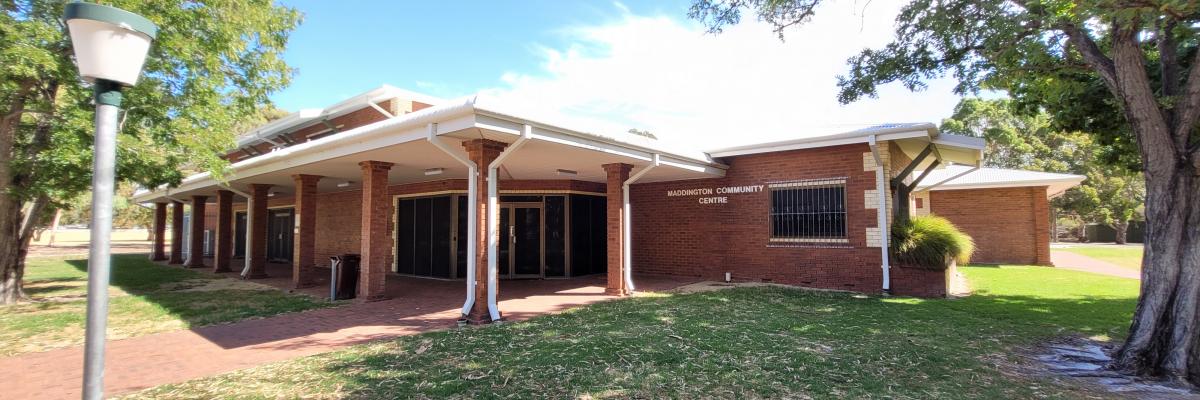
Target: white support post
627,223
881,182
493,209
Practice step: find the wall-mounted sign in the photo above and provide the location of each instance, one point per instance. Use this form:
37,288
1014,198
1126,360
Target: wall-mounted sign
708,195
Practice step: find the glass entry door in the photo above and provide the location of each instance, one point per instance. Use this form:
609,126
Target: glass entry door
521,240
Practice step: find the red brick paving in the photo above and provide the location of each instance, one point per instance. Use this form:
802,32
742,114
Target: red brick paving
418,305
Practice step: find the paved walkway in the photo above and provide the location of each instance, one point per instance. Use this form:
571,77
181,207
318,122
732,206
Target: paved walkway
421,305
1068,260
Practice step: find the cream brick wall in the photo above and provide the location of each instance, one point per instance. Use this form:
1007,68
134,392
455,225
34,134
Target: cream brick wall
871,196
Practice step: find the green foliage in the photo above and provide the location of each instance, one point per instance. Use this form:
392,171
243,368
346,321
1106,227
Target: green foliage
1111,193
211,67
929,241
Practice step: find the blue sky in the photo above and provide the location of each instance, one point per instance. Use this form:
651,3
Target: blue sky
441,48
606,66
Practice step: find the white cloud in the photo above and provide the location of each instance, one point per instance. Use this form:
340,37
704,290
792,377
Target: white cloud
742,86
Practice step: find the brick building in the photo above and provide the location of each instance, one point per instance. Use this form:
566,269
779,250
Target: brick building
1006,211
405,181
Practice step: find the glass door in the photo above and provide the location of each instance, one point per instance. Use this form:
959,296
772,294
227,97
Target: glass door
521,246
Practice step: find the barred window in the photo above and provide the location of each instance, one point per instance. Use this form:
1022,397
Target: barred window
809,211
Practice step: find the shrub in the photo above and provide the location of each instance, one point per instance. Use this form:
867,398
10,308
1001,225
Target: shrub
929,241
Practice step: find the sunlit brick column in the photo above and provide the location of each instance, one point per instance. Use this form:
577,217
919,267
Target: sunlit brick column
256,231
303,248
176,233
617,175
376,240
196,239
159,253
223,254
1041,225
482,152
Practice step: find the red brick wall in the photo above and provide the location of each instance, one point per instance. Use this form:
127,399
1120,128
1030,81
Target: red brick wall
679,236
1009,225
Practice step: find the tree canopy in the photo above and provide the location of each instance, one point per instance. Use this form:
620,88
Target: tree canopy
211,67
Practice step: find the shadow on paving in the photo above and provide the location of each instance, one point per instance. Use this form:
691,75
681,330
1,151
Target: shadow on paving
755,342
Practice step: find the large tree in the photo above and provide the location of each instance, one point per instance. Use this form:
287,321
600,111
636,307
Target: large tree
212,65
985,43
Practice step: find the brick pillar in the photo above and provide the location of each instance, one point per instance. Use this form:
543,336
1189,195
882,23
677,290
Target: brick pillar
159,253
303,249
1041,225
482,152
223,254
376,240
256,231
617,175
176,233
196,239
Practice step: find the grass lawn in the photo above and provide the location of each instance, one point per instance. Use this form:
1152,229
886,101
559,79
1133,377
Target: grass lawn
763,342
145,298
1124,256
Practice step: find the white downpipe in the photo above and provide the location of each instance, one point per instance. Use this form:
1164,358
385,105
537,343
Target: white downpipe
627,224
249,221
884,233
472,214
493,209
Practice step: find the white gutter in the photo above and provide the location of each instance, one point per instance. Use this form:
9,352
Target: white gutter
493,209
884,233
627,216
472,214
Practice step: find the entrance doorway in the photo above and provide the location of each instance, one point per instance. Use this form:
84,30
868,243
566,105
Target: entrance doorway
280,229
239,237
521,246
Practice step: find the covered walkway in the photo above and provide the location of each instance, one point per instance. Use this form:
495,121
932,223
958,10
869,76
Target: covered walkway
416,306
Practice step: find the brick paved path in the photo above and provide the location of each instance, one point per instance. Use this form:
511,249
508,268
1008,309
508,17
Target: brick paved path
424,305
1078,262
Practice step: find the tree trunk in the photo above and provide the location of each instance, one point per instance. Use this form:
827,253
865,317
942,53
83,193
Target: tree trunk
11,269
1122,229
1163,336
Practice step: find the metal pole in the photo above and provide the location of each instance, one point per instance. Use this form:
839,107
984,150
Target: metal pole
108,102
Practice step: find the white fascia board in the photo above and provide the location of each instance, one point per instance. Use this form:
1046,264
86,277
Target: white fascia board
569,140
304,118
969,142
1071,181
500,123
812,143
693,166
410,127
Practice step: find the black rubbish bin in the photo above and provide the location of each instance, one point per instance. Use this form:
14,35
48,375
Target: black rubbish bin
346,284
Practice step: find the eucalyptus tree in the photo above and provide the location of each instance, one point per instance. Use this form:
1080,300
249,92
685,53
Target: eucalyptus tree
1144,56
212,65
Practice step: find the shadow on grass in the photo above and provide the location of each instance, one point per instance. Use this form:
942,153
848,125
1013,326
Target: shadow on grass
747,342
144,281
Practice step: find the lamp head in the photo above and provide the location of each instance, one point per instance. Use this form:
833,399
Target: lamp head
110,43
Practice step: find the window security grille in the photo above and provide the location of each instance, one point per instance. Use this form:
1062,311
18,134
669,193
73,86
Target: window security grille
809,211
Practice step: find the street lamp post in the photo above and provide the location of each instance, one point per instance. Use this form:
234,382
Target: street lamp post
110,47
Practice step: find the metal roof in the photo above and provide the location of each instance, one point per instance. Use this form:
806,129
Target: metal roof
963,177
